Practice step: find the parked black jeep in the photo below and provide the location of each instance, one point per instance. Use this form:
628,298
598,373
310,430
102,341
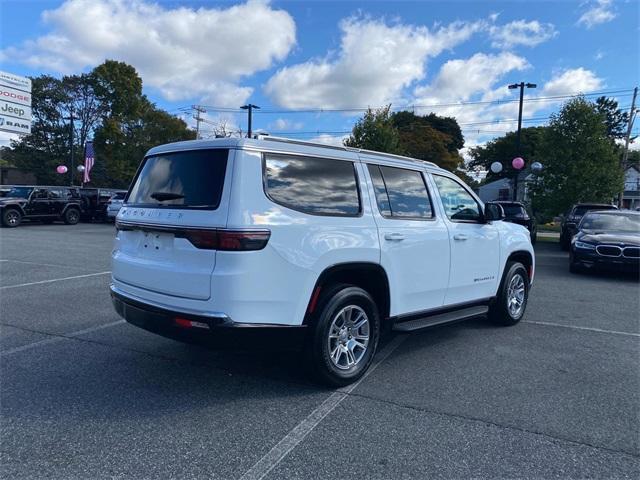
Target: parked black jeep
94,203
46,204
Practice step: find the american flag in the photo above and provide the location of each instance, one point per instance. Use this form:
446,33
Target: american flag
89,160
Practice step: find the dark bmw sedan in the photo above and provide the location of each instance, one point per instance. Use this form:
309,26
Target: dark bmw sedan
608,239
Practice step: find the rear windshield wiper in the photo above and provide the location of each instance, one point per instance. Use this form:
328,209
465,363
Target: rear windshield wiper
162,196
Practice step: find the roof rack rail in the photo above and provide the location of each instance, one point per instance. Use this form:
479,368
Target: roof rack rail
343,148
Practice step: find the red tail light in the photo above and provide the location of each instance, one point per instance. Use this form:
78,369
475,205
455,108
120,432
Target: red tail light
208,239
228,240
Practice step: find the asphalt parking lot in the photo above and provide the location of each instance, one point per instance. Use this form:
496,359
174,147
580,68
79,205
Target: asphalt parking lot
85,395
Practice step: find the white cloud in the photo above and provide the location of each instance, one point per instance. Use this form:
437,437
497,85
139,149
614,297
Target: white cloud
521,32
460,80
600,11
483,78
375,62
327,139
183,52
284,124
572,81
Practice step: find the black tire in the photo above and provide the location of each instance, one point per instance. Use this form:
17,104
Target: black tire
71,216
499,311
11,217
351,302
574,267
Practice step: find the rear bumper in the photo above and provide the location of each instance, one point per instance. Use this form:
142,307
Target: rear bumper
163,319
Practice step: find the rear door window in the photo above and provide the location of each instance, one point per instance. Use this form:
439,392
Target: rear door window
319,186
400,193
189,179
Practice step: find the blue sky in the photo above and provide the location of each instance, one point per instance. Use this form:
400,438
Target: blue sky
297,55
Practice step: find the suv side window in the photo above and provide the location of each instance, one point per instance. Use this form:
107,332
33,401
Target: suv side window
318,186
459,204
41,194
55,194
400,193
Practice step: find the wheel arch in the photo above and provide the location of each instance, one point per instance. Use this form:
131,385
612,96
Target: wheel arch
369,276
13,206
71,205
524,257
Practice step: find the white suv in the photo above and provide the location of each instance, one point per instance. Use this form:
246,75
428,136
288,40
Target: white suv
338,242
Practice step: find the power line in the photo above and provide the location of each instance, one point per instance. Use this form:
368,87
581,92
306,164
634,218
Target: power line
619,93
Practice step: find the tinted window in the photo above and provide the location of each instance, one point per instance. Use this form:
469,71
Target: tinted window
319,186
581,210
401,193
381,191
55,194
191,179
458,203
513,210
118,196
606,222
41,193
19,192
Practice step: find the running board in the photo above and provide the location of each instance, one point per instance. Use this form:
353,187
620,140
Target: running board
439,319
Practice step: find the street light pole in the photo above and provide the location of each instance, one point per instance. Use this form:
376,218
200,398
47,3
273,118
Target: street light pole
521,86
71,170
250,108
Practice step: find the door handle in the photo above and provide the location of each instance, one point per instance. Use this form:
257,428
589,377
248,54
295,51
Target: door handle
460,236
394,237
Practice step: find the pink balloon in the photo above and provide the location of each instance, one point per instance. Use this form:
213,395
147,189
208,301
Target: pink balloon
61,169
517,163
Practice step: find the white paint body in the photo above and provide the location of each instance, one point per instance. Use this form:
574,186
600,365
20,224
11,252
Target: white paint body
427,269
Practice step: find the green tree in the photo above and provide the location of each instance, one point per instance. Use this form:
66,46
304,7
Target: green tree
503,150
615,119
581,162
375,131
430,138
109,106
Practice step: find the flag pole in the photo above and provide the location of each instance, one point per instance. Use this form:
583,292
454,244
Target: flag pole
84,156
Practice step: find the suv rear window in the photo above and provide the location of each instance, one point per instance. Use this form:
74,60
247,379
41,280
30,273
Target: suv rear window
582,209
319,186
189,179
513,210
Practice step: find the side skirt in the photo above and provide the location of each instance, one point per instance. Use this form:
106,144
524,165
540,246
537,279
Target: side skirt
440,316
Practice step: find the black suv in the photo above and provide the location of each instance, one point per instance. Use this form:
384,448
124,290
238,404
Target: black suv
40,203
571,220
95,201
517,212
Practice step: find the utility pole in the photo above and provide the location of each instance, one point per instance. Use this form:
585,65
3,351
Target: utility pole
521,86
625,154
71,131
249,108
198,118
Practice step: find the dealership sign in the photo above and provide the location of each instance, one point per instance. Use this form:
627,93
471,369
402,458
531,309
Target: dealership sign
9,94
15,103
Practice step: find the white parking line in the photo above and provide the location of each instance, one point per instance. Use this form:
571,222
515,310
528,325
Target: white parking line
576,327
53,280
42,264
56,339
267,463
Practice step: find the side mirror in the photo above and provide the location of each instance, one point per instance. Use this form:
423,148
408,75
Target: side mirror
493,211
